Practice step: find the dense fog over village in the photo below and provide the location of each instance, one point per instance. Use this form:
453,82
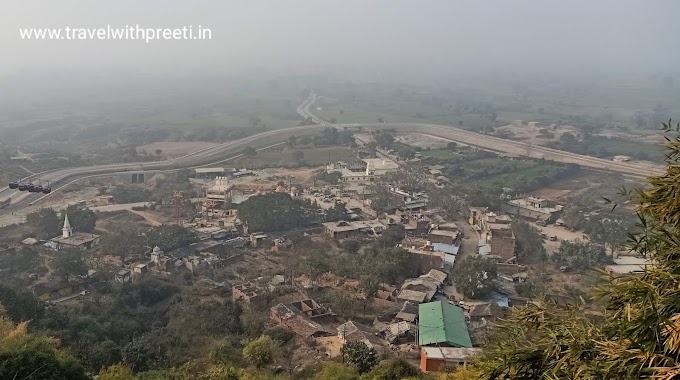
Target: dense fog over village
339,190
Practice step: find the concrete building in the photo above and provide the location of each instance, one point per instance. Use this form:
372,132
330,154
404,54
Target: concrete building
289,316
72,240
502,243
219,190
537,209
495,233
626,265
363,172
439,359
356,332
209,172
343,229
123,276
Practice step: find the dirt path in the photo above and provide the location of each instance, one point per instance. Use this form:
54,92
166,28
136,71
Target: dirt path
150,218
43,278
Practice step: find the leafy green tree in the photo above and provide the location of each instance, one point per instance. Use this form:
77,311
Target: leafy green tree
315,264
170,236
275,211
528,243
369,287
392,236
451,202
404,152
82,219
22,259
351,245
580,255
573,218
27,356
260,352
392,369
227,350
332,178
146,291
250,151
474,276
467,372
359,356
280,334
451,146
146,352
224,372
116,372
611,232
388,265
336,371
121,240
297,155
46,221
635,335
336,213
292,141
410,178
69,263
20,305
381,200
384,139
130,194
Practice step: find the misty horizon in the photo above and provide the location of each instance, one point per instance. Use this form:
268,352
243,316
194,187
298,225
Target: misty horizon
375,39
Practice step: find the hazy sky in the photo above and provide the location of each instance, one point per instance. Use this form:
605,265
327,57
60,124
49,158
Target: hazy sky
304,35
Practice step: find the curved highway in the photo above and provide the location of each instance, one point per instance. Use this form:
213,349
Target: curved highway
220,153
642,170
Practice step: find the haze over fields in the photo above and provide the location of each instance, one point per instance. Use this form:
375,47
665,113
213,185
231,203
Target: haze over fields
382,37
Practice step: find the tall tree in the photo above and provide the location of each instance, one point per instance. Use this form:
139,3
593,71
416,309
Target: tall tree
46,221
297,155
359,356
122,240
369,287
82,219
392,369
580,255
170,236
475,276
260,352
275,211
69,263
27,356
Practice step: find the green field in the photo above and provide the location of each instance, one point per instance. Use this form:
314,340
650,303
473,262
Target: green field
440,154
477,103
312,157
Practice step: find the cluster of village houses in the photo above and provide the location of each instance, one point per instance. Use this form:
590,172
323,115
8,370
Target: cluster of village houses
422,312
417,315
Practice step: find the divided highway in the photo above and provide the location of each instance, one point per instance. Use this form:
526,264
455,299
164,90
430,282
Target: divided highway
220,153
210,156
635,169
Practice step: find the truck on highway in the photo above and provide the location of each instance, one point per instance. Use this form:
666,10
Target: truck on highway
5,203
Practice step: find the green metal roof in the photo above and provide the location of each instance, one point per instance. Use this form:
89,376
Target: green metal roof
442,323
